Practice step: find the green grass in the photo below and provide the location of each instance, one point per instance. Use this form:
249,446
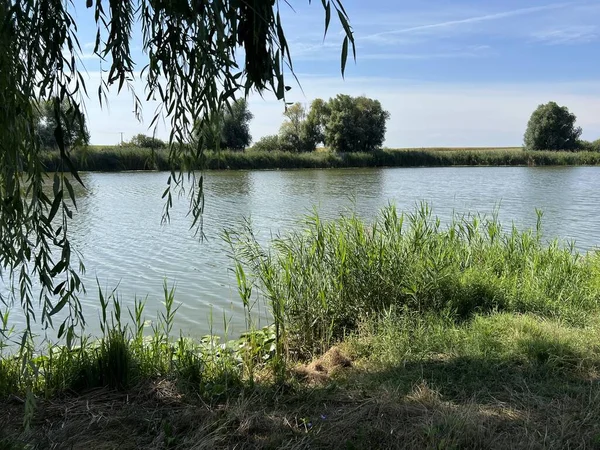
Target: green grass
128,352
400,333
416,382
321,282
129,158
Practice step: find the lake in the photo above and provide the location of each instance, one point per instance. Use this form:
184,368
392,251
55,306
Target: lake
118,227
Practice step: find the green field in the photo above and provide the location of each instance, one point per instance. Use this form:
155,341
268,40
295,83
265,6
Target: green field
399,333
112,159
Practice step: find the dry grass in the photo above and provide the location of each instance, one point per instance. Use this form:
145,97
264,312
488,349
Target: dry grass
340,411
325,367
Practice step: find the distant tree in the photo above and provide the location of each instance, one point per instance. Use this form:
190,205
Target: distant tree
236,126
73,123
144,141
317,116
209,132
268,143
589,146
296,133
354,124
552,127
229,128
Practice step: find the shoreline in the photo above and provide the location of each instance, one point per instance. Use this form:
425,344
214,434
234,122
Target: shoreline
124,159
419,337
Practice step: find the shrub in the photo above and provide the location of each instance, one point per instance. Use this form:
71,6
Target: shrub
143,141
268,143
589,146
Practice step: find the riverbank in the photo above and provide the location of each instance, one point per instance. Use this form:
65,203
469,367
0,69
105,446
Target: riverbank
539,391
399,333
112,159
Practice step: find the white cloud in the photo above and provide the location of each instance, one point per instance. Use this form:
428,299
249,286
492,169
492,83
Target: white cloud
447,114
469,52
422,114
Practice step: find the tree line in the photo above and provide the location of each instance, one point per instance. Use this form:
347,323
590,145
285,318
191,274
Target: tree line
358,124
343,124
74,128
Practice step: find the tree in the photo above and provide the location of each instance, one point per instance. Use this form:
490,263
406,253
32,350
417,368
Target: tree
144,141
235,133
228,128
552,127
354,124
199,54
296,134
317,116
75,132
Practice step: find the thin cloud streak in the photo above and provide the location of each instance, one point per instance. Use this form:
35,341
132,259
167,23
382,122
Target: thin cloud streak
476,19
459,54
569,35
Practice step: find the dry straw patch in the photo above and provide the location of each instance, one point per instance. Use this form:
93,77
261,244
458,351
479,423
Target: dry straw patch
322,369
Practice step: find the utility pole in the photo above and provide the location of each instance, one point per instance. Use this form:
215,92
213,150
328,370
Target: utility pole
121,137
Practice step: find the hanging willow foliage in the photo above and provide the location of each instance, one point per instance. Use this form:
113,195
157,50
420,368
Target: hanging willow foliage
198,55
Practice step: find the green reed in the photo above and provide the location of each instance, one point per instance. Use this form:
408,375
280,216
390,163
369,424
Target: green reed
322,282
111,159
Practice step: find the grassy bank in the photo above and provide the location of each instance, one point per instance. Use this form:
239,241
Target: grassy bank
123,158
400,333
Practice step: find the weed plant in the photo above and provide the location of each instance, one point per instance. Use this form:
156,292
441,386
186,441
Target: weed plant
134,350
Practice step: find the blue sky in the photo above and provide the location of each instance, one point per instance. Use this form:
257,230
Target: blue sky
451,73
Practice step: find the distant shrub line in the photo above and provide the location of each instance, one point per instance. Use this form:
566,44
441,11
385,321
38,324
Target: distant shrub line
122,159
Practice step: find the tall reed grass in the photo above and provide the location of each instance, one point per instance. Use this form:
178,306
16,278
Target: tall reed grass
322,282
112,159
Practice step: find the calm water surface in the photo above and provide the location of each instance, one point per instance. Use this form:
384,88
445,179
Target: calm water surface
118,226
